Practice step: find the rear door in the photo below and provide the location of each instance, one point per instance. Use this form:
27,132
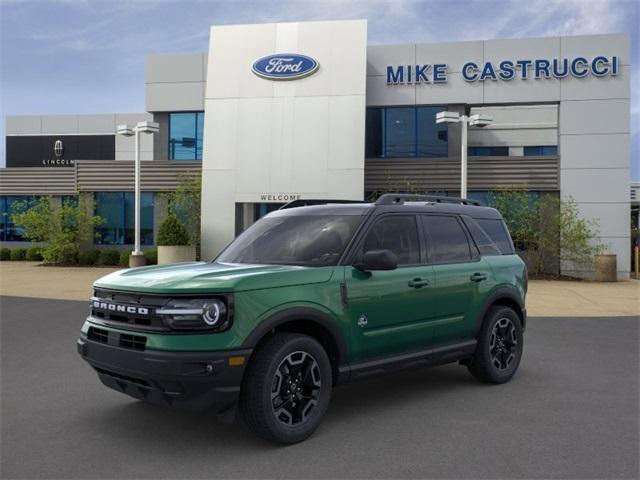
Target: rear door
461,276
391,311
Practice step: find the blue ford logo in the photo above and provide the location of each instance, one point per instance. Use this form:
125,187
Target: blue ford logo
285,66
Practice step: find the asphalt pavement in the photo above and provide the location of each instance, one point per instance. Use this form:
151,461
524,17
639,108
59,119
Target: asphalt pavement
570,412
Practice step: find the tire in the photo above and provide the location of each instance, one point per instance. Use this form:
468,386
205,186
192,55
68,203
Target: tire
286,389
500,346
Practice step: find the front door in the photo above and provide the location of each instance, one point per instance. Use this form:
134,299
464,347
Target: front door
391,311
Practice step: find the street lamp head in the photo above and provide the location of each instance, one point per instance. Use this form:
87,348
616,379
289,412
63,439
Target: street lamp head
124,130
480,120
447,117
147,127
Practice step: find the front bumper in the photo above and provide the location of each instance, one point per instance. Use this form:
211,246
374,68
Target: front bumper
186,380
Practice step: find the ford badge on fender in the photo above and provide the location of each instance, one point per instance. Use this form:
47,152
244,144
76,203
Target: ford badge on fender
284,66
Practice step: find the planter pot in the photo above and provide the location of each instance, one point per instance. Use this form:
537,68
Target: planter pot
606,268
176,254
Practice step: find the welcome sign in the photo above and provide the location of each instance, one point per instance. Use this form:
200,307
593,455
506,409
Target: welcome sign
507,70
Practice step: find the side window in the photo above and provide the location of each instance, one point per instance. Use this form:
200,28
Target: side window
484,243
447,240
398,233
497,232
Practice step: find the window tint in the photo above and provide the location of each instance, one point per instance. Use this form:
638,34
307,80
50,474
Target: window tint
406,132
488,151
398,234
543,151
9,206
117,212
447,240
185,135
498,233
482,240
308,240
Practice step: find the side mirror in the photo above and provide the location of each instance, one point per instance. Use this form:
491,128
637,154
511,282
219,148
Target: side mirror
377,260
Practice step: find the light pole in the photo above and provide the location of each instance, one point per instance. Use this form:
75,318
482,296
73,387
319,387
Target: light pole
136,259
478,120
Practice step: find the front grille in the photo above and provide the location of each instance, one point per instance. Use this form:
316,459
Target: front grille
98,335
123,340
134,342
146,320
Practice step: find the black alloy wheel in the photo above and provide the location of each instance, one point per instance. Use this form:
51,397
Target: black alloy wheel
503,344
286,388
295,388
500,346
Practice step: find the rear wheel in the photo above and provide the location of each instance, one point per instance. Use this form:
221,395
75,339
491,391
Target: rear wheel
287,388
500,345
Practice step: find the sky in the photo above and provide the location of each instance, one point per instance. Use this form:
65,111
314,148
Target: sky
87,56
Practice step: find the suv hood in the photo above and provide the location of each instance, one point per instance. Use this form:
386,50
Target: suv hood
201,277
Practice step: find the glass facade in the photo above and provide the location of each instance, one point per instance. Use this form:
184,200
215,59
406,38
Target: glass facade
117,212
185,135
405,132
541,151
488,151
10,205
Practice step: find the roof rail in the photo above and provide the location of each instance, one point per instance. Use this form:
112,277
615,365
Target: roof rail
400,198
307,202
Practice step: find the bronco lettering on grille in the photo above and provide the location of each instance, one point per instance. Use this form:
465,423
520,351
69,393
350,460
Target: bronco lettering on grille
113,307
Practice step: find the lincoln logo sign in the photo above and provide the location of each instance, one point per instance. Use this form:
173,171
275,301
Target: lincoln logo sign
58,148
285,66
506,70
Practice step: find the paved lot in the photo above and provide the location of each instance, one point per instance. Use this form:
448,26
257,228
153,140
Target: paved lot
571,412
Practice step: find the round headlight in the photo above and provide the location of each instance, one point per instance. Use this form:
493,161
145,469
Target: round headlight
212,312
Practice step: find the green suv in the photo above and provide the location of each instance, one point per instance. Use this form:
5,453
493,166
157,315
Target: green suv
310,297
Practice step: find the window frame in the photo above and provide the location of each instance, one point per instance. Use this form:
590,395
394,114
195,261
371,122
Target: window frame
353,251
475,256
196,115
416,129
123,224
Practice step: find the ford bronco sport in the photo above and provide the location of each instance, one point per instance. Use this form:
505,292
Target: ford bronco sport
311,297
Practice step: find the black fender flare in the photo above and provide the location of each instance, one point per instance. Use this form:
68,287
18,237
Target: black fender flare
300,313
498,294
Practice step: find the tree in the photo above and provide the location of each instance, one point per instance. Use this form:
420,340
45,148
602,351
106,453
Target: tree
185,204
549,229
171,232
62,227
519,214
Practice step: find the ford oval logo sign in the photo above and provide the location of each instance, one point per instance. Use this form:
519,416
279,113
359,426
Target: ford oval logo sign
285,66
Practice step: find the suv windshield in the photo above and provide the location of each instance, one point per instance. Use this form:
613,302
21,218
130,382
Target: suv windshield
307,240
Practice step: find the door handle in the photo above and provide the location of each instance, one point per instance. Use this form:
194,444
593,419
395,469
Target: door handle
418,282
478,277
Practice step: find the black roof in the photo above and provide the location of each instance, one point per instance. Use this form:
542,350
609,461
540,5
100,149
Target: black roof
403,203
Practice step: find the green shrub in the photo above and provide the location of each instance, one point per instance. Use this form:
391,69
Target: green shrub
90,257
18,253
172,232
124,258
34,254
5,254
151,256
61,254
109,257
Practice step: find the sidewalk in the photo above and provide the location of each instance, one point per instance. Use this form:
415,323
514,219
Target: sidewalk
545,298
30,279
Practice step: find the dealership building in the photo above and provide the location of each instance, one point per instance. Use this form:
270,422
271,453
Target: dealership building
277,112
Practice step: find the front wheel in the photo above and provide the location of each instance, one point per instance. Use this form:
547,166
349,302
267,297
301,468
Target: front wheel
500,344
287,388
